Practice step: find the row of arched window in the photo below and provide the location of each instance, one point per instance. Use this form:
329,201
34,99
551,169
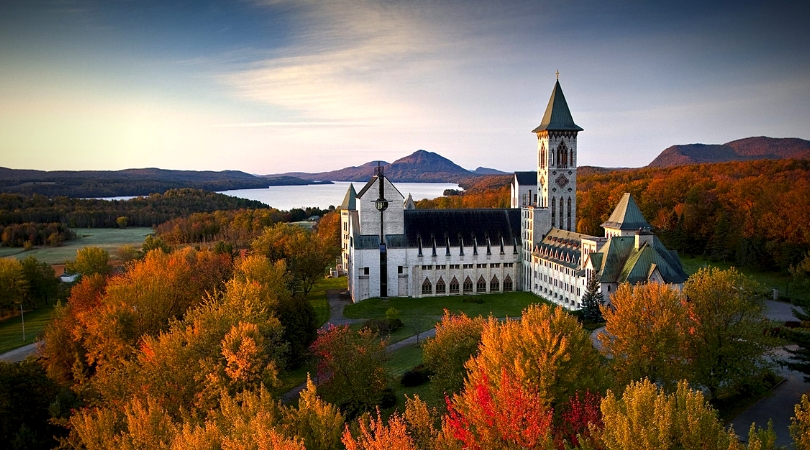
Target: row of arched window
561,158
564,220
480,286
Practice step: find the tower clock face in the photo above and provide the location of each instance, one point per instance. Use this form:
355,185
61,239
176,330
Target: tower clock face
561,180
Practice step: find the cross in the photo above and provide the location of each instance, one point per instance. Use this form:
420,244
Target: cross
558,75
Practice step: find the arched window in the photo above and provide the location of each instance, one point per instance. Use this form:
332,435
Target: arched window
507,284
553,212
441,288
542,161
454,286
481,285
562,155
467,285
561,212
427,288
494,284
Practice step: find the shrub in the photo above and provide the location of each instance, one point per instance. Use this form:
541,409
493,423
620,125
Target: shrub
417,376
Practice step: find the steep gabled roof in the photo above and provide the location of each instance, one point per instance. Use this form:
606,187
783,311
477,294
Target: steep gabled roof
620,261
526,178
626,216
557,116
350,200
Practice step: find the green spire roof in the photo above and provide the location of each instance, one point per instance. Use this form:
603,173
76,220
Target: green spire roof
557,116
350,200
627,216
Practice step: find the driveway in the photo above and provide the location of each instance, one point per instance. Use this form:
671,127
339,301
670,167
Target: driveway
19,354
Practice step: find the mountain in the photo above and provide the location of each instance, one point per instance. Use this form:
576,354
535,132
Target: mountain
420,166
129,182
488,171
740,150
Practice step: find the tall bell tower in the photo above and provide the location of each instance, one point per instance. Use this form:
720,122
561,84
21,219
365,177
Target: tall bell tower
557,162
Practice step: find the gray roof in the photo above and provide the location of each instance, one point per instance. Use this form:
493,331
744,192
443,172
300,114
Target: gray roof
562,247
526,178
456,226
557,116
627,216
620,261
374,182
350,200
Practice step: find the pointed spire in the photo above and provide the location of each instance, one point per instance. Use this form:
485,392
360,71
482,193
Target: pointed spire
350,200
557,116
627,216
409,204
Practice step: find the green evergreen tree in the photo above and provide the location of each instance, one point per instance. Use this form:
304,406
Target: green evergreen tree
592,300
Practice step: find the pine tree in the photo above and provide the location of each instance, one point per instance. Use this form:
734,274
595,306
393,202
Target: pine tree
592,300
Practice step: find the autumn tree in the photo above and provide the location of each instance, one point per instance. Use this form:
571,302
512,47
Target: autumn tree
317,422
547,349
800,424
456,340
506,414
592,300
350,368
375,434
306,258
41,279
646,334
13,285
645,417
90,260
728,331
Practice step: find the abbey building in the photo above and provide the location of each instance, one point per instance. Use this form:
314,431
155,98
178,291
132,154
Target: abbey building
392,249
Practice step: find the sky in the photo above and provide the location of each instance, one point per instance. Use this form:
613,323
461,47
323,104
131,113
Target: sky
274,86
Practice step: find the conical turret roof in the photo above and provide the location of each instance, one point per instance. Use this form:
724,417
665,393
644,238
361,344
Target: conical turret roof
350,200
557,116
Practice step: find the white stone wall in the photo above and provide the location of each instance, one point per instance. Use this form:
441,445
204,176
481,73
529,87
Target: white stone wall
557,283
393,217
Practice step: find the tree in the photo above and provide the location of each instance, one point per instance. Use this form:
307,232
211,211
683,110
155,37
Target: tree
645,334
456,340
306,258
41,278
546,348
350,368
377,435
728,331
592,300
90,260
506,414
300,322
800,424
25,395
121,221
13,285
318,423
154,243
646,417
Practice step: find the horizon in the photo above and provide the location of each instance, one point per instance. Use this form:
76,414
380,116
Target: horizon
277,86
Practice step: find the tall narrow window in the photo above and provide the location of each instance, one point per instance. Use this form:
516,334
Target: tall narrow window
468,285
568,211
507,284
494,284
561,213
481,285
427,288
454,286
553,212
562,155
441,288
542,161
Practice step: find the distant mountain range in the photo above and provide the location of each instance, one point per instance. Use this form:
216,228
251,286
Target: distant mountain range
420,166
130,182
740,150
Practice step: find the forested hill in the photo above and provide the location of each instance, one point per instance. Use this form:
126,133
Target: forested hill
129,182
421,166
740,150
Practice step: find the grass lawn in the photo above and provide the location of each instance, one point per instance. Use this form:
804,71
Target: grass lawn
421,314
109,239
771,280
11,328
317,296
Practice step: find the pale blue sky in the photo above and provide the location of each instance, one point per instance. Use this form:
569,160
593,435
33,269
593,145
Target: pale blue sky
310,85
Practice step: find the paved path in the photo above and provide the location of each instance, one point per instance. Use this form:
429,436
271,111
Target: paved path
19,354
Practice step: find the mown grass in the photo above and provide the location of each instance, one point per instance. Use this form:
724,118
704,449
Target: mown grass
317,296
109,239
11,335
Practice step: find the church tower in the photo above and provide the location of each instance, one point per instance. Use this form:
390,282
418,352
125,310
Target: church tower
557,162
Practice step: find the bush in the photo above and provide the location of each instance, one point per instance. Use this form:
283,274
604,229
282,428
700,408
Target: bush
476,300
417,376
383,326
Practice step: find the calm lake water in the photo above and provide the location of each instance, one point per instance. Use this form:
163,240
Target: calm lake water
326,195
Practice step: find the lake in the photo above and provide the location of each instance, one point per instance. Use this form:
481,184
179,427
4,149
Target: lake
326,195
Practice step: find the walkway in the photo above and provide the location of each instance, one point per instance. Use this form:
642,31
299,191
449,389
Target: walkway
19,354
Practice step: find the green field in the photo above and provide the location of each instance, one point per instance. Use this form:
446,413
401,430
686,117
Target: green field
109,239
11,335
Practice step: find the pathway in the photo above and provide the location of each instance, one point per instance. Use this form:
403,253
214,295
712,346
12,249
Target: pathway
19,354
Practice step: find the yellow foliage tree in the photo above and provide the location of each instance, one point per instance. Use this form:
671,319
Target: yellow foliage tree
646,334
546,350
800,424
